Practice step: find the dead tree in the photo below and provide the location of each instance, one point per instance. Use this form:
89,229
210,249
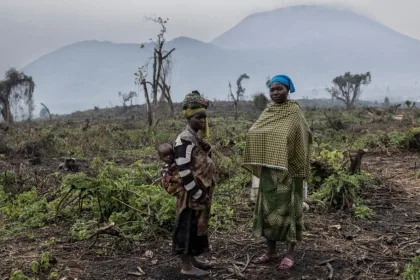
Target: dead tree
125,97
158,60
14,88
165,88
356,162
239,92
394,108
46,110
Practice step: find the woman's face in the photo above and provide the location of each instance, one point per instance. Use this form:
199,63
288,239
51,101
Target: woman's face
278,92
198,121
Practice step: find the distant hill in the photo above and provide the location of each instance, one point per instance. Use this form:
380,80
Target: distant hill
312,44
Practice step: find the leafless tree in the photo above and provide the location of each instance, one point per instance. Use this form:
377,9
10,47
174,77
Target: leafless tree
16,87
158,61
127,97
239,92
164,84
46,110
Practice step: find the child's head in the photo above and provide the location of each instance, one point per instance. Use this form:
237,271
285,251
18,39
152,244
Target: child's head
166,153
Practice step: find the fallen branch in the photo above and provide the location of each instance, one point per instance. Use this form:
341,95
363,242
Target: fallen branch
166,261
238,272
109,229
410,241
235,271
139,273
325,262
331,275
248,261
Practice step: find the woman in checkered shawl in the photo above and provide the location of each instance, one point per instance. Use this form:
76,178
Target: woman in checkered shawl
198,171
277,152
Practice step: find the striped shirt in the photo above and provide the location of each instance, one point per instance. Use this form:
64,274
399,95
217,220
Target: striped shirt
183,151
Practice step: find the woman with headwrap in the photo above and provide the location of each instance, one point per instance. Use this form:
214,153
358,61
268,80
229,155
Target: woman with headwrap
278,152
198,172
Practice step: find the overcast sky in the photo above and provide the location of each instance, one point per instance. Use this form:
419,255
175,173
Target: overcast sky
31,28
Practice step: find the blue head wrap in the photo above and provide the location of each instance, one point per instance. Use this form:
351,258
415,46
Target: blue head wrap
285,80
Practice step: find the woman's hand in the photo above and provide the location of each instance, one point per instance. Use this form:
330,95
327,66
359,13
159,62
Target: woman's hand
204,145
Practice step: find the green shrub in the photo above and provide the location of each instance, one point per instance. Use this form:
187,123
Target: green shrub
27,209
412,270
18,275
363,212
341,190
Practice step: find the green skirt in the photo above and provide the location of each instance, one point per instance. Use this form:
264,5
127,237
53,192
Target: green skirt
278,212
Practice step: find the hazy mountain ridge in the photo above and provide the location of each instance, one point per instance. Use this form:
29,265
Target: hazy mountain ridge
312,44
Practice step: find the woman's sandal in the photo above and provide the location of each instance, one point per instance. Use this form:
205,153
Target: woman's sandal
265,259
286,264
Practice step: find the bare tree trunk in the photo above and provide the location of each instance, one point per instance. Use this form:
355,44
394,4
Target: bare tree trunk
356,162
6,112
48,110
171,104
166,94
235,106
150,114
159,58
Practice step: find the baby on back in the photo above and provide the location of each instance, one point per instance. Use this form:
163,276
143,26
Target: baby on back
171,179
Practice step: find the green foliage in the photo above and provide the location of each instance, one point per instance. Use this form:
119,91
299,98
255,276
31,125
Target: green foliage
41,265
225,194
18,275
52,241
412,270
26,209
347,87
332,158
363,212
136,207
327,162
387,140
341,190
53,275
35,267
80,229
45,261
397,139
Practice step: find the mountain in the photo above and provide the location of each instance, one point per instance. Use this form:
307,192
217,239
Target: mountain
313,26
312,44
91,73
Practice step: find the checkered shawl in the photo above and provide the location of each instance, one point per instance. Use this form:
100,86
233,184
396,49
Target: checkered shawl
279,139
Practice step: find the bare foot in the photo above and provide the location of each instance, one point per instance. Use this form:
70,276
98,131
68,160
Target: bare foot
200,264
195,272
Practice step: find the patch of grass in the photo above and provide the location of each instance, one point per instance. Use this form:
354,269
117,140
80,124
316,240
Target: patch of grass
412,269
18,275
363,212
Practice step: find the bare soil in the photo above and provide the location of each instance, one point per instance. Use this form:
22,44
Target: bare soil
335,244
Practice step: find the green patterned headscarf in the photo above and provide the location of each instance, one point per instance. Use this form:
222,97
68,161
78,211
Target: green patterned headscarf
279,139
193,103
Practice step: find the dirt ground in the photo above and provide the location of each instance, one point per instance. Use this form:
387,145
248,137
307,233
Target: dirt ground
335,245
